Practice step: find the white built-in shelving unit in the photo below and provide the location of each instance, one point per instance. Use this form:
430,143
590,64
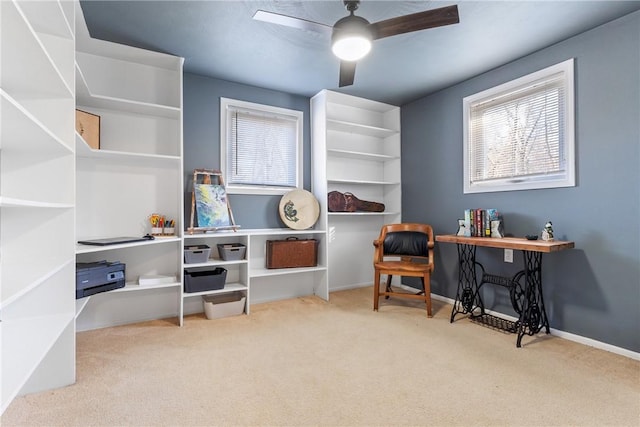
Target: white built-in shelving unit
250,275
137,171
37,201
356,149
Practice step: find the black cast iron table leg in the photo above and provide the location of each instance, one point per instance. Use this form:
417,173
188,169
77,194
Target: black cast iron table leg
533,316
467,295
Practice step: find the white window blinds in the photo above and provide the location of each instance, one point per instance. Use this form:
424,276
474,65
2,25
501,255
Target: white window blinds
262,147
519,135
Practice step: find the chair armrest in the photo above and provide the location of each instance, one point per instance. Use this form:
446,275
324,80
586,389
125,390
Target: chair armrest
377,252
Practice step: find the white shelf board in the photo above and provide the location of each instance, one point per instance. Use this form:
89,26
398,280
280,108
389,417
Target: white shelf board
228,287
84,151
29,340
252,232
343,99
357,181
12,202
283,231
38,74
362,213
361,155
266,272
135,287
81,303
216,234
113,50
85,249
350,127
84,96
47,17
129,287
32,282
215,262
21,131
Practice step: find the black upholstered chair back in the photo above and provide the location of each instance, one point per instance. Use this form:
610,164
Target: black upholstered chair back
406,243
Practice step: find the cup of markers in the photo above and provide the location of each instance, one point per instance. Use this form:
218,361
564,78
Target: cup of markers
169,228
161,226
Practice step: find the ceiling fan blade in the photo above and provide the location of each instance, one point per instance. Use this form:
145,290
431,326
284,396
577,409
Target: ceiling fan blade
347,73
415,22
290,21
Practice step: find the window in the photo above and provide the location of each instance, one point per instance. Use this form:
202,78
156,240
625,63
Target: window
520,135
261,148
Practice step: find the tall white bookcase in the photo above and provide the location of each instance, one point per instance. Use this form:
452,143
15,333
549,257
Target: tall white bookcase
356,149
37,179
136,172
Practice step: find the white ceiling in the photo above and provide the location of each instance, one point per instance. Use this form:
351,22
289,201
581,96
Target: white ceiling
220,39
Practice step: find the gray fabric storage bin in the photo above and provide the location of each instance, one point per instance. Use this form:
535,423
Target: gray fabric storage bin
231,251
196,253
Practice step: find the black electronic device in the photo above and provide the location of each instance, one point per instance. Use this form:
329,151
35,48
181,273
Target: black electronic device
115,240
99,276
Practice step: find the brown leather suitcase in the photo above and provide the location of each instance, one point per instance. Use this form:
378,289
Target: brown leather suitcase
292,252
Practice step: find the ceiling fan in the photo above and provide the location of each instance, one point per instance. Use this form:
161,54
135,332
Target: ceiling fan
352,35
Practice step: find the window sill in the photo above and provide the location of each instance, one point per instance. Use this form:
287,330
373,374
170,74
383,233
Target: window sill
260,191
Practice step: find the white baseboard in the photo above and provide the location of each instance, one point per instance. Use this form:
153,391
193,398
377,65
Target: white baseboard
350,286
596,344
562,334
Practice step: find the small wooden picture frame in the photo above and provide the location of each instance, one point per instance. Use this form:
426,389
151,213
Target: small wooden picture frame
88,126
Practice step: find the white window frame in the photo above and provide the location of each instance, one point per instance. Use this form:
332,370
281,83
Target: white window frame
231,188
565,178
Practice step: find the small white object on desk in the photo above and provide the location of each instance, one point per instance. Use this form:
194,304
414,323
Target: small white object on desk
155,279
547,232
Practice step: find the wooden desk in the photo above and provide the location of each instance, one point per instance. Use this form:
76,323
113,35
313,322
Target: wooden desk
526,298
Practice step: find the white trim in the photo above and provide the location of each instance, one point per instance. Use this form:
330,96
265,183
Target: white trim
255,189
567,179
561,334
555,332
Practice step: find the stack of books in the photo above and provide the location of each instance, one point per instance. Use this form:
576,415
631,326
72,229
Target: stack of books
481,223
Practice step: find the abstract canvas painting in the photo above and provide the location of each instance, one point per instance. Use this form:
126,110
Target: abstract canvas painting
211,205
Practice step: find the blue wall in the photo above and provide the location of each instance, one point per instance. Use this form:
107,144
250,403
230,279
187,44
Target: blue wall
593,290
202,142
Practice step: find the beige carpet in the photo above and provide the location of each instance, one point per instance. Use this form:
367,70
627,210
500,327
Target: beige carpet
308,362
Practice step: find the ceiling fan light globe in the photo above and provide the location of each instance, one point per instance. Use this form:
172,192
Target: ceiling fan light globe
351,38
351,48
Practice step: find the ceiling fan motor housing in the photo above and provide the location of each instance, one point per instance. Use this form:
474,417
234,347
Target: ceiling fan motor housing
351,24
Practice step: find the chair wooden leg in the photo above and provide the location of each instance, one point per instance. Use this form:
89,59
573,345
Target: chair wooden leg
388,287
376,289
426,284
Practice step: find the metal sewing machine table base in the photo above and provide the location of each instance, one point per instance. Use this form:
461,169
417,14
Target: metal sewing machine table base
525,287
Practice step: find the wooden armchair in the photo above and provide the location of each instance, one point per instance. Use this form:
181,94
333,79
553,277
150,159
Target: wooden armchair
404,250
